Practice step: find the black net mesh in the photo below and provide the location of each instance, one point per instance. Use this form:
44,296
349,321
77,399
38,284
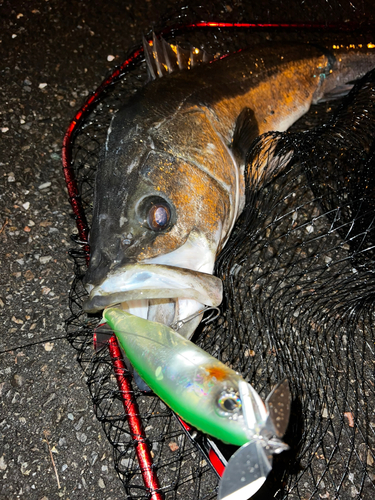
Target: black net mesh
298,283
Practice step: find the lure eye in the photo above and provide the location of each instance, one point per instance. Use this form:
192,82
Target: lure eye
158,217
229,402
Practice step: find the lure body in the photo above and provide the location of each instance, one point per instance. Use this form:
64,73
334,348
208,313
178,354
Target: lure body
199,388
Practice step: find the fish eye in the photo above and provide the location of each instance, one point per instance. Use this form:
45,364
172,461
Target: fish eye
155,213
158,217
229,402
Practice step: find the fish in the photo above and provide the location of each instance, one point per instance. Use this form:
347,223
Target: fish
170,183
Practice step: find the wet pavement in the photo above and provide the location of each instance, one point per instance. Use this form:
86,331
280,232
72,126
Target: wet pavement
52,55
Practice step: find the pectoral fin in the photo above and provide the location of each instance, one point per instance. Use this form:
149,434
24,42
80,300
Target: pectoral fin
245,133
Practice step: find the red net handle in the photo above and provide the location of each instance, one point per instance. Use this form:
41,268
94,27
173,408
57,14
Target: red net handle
135,423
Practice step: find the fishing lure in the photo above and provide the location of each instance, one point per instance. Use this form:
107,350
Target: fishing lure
205,392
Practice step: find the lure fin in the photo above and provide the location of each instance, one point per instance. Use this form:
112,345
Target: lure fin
163,58
278,405
248,468
246,472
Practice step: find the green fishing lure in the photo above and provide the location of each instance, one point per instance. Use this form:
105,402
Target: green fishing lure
200,389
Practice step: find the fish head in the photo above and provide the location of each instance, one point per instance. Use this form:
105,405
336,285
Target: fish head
152,208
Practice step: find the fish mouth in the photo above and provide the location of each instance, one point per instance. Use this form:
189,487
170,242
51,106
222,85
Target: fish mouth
166,294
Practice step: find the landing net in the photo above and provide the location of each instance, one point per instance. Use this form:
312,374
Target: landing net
298,275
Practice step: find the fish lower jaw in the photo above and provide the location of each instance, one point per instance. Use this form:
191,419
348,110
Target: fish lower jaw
164,294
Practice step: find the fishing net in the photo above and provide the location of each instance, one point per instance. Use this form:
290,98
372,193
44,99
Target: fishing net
298,275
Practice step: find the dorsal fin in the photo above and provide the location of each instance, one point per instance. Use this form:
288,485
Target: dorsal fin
163,58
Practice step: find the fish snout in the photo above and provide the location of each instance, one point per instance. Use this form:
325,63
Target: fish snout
99,267
110,248
102,262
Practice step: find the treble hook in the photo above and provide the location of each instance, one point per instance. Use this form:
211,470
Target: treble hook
178,324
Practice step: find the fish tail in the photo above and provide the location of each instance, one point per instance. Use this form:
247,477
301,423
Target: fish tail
346,66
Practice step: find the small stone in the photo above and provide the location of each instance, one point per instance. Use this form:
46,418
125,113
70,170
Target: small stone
45,259
45,185
101,483
110,58
29,275
64,467
81,436
48,346
11,177
26,229
4,131
17,380
25,471
349,416
70,416
173,446
17,321
43,85
126,462
3,464
26,205
79,424
15,398
249,352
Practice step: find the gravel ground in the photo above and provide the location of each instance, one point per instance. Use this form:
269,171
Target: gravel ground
53,53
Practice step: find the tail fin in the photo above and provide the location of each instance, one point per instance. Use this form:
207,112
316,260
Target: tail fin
348,64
